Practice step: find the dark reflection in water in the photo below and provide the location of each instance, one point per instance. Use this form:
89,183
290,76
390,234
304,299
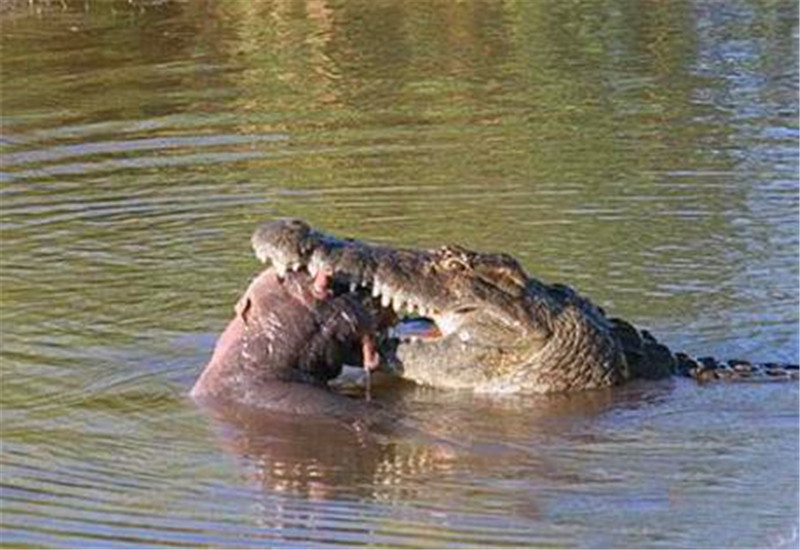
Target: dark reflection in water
415,453
643,152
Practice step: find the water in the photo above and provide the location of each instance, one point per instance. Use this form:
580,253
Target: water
645,153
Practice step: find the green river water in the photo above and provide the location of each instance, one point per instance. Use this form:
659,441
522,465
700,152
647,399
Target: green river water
644,152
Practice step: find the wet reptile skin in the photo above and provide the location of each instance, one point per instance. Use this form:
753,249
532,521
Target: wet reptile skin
501,329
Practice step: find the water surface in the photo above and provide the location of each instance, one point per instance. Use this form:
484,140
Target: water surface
645,153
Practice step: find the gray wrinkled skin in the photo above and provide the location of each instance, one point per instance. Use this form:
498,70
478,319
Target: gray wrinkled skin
500,329
284,345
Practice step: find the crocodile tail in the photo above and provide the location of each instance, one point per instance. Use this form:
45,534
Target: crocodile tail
707,369
647,358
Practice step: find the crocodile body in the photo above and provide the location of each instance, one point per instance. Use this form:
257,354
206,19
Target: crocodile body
493,326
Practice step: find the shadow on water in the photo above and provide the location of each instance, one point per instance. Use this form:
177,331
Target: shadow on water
414,442
368,445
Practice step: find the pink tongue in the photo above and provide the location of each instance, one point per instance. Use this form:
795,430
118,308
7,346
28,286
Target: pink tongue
371,361
321,289
369,353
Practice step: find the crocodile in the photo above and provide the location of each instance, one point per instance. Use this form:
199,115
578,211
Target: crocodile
490,326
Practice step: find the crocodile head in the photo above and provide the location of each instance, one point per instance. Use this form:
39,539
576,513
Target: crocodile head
496,328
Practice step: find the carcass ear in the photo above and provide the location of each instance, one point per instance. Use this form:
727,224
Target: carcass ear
243,307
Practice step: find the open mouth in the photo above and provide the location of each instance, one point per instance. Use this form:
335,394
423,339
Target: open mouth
397,316
407,291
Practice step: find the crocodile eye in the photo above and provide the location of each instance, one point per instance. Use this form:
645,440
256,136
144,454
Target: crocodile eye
453,263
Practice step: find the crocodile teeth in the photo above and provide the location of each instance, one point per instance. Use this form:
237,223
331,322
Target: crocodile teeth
281,269
376,289
386,300
316,264
353,286
397,303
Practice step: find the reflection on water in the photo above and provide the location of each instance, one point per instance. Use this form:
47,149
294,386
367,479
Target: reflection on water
645,153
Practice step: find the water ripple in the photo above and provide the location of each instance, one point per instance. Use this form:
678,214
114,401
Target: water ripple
60,152
647,157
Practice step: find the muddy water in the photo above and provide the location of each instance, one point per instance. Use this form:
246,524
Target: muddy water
645,153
